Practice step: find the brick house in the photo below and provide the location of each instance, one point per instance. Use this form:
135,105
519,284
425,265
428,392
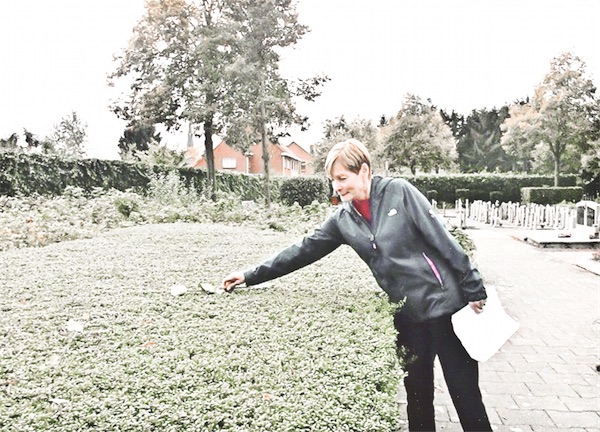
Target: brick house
286,161
226,158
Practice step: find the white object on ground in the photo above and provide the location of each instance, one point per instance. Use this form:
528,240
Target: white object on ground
483,334
211,289
178,290
263,285
75,326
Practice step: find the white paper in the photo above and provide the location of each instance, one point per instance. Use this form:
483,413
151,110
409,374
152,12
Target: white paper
483,334
178,290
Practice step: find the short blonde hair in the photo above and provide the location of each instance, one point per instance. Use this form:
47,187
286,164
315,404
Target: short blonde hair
351,153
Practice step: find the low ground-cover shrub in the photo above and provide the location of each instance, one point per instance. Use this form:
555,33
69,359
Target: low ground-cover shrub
42,220
92,339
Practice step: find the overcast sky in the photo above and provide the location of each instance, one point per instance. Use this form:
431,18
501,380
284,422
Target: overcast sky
461,54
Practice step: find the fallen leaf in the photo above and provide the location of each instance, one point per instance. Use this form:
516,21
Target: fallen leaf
268,397
148,344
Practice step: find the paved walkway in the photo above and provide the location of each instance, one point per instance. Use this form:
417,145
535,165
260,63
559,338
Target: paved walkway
544,378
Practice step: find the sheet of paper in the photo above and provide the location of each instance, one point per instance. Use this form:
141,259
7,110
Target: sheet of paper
483,334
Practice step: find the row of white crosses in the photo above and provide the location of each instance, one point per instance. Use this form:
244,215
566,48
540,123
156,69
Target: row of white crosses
527,216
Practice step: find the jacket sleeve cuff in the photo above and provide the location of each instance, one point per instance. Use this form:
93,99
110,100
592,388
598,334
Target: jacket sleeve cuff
476,296
248,277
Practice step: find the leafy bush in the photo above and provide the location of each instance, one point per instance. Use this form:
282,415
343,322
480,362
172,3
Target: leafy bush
551,195
303,190
41,220
496,196
463,239
432,195
33,174
126,206
94,340
463,194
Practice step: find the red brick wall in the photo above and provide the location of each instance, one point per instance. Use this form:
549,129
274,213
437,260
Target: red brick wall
256,161
279,165
276,160
225,153
305,156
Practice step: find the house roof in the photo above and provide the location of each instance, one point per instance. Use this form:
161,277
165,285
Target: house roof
217,141
291,156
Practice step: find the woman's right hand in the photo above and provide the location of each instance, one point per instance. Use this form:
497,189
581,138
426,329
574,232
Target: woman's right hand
232,280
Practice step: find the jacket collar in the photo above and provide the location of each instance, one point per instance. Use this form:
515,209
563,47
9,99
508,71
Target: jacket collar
378,184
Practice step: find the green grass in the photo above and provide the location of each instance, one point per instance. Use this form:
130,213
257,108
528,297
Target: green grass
315,351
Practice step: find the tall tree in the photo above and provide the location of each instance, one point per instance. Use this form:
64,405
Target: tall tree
566,105
10,144
69,136
176,63
137,137
212,63
337,130
419,138
517,131
590,159
590,166
456,122
478,146
265,100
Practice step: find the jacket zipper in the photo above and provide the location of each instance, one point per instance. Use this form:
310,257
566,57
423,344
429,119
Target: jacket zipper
434,269
361,217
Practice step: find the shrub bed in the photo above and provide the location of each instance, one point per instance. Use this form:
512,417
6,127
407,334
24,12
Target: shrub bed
42,220
93,339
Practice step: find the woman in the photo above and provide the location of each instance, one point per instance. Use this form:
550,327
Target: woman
414,258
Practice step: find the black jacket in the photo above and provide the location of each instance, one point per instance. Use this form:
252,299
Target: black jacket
410,252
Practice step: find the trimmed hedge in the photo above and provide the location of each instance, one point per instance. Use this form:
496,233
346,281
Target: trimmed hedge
496,196
303,190
506,187
24,175
432,195
551,195
462,194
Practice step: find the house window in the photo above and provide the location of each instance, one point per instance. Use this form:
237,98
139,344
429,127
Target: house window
229,163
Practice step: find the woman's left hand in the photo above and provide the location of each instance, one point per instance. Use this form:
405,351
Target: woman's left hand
477,306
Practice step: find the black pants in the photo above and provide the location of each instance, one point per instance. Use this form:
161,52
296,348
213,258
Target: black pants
419,343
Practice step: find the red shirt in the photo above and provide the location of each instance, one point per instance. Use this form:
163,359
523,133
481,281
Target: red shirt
364,208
